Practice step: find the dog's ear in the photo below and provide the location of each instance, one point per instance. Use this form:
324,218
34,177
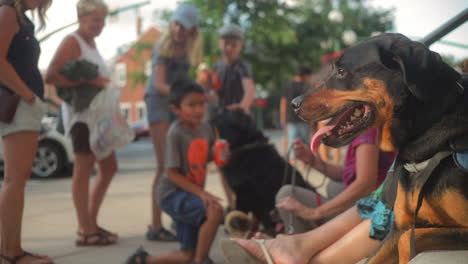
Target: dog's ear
424,71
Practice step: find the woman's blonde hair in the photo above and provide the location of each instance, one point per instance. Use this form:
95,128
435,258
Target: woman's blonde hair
86,7
166,47
41,10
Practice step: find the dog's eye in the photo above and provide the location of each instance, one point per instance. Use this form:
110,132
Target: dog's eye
341,73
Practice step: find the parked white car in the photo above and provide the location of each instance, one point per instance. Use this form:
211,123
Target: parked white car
54,153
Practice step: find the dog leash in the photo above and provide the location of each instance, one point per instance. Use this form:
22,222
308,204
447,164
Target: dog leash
424,176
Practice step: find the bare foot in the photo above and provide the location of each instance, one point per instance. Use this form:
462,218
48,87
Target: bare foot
283,250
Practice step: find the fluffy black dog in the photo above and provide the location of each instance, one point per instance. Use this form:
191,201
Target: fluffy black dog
256,171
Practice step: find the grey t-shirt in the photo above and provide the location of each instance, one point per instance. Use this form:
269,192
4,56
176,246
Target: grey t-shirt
231,76
176,68
189,151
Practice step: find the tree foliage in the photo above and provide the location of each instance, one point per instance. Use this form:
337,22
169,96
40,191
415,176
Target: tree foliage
281,36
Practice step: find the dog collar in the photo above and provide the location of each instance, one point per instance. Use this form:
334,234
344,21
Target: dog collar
250,146
416,167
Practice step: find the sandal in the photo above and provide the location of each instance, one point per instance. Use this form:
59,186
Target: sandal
15,259
97,239
139,255
235,253
160,234
109,234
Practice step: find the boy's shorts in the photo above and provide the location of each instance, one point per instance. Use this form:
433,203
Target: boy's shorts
188,212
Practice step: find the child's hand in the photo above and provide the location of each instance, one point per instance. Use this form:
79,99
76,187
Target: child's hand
221,153
302,152
209,199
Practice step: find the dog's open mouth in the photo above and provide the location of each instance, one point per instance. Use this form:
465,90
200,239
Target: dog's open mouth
344,126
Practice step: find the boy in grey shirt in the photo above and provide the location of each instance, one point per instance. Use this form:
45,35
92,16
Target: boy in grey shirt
181,194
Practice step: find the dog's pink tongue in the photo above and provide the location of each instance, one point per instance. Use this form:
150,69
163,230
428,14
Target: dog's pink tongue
317,138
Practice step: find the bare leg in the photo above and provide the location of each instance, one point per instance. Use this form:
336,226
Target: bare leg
82,170
351,248
107,170
19,151
158,131
300,248
207,232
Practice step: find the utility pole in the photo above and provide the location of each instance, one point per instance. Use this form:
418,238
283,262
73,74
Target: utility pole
112,13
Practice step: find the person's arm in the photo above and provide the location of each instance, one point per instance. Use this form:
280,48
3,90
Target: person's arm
160,84
283,109
303,153
182,182
367,167
8,75
367,159
68,50
249,93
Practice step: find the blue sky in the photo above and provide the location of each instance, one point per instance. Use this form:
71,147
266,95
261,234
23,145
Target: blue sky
414,18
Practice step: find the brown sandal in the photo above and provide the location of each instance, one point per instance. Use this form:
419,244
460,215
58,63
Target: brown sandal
97,239
109,234
15,259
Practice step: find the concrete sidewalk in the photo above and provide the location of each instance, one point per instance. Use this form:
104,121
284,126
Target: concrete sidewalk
49,225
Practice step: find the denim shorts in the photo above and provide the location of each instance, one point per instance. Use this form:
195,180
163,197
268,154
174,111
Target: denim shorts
188,212
157,108
27,118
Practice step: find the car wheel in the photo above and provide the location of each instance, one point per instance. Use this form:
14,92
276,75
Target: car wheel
49,161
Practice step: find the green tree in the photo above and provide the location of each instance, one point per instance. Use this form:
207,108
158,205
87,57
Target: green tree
280,37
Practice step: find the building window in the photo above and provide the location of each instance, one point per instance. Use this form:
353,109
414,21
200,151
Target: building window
125,110
121,74
141,108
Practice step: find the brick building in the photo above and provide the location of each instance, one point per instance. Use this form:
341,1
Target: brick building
135,64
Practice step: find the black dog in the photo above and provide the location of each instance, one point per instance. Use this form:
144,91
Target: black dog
417,100
255,171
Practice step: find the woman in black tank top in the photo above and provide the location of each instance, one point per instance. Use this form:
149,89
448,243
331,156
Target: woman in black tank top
19,73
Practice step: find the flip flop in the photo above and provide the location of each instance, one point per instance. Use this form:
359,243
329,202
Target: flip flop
235,253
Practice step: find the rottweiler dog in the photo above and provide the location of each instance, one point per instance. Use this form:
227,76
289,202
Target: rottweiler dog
421,107
256,171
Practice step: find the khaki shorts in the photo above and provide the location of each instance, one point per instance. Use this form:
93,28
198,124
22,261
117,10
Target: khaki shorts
27,118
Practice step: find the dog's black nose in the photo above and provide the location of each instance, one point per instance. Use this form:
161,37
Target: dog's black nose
297,103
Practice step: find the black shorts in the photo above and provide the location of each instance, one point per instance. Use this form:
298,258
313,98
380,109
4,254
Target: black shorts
80,138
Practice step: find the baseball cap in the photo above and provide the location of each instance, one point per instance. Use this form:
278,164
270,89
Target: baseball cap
186,14
231,31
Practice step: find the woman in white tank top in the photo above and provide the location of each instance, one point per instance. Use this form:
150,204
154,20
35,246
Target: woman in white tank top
87,200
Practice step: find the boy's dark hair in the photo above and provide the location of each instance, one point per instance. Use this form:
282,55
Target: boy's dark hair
181,88
304,70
